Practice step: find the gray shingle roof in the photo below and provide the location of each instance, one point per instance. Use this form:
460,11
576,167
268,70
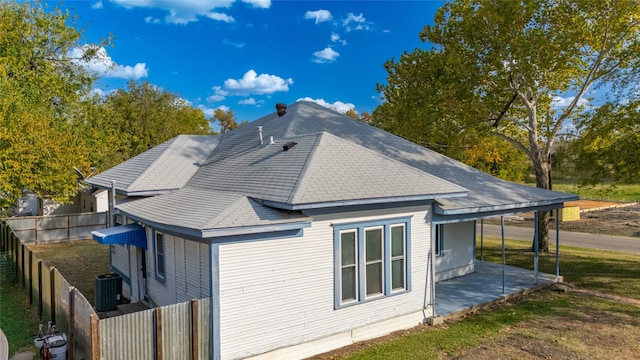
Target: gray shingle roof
162,168
207,213
336,161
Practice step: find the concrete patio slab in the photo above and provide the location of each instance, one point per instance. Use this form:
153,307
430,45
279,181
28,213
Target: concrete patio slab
484,286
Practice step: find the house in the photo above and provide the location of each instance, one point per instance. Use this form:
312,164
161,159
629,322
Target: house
307,229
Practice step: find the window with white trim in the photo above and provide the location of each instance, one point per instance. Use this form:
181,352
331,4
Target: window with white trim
159,249
371,260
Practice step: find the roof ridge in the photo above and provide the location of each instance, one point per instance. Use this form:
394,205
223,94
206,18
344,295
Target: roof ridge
224,214
301,174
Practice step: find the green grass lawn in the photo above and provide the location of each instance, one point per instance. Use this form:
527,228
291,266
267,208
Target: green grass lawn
18,320
624,193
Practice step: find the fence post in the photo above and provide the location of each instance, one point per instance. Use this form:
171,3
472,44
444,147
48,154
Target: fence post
194,329
52,278
40,300
30,277
23,281
70,333
95,337
158,333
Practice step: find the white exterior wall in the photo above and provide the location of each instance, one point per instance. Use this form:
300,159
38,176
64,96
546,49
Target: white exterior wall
186,271
120,261
457,256
280,292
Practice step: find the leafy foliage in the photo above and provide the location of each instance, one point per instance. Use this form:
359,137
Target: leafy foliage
496,67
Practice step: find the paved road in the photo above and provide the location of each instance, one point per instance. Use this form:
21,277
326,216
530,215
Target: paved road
604,242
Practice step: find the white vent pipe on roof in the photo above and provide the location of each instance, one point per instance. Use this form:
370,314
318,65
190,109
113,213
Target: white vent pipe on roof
260,134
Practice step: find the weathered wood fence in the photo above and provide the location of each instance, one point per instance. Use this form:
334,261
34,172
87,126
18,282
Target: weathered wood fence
179,331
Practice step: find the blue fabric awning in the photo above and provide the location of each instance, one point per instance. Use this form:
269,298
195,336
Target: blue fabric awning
131,234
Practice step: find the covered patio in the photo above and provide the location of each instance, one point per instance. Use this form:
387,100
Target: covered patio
465,293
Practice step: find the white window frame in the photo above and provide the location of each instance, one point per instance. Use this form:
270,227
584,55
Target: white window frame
360,229
160,256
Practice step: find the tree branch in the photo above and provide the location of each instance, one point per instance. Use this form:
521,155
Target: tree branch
514,142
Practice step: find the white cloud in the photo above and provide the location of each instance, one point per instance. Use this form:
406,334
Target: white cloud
262,4
151,20
338,105
97,5
336,38
318,15
104,65
184,12
218,94
559,102
251,101
326,55
220,17
235,44
252,83
356,22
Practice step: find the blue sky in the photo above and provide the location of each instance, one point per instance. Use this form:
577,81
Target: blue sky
248,55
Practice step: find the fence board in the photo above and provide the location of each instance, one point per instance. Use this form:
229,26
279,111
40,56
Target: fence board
45,295
176,342
128,337
81,326
204,329
61,293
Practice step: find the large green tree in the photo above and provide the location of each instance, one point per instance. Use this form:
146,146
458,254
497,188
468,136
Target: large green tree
41,87
130,121
496,67
609,144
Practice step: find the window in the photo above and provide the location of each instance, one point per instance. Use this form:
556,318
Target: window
371,260
159,248
439,239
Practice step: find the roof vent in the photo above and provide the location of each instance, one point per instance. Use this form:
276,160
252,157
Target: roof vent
281,109
260,135
289,145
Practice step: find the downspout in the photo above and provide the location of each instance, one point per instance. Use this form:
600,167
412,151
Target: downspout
503,255
112,207
535,248
557,245
430,282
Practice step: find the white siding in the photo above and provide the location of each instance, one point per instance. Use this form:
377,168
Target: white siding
457,256
186,272
278,293
120,261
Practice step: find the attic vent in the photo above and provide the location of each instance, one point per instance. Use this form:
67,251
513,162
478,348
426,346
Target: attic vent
281,109
289,145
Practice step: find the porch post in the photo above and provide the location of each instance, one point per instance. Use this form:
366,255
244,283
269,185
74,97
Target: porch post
503,255
535,248
481,239
557,244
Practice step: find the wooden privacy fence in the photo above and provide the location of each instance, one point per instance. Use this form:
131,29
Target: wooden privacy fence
179,331
58,228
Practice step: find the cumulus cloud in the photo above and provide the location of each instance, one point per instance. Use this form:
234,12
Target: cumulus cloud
208,112
560,102
325,56
184,12
251,101
318,16
252,83
105,66
355,22
219,94
232,43
339,106
97,5
336,38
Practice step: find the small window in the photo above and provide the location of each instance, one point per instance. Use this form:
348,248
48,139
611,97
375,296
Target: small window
398,251
348,266
439,239
373,263
159,247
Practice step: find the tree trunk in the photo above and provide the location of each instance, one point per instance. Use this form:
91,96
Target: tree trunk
543,181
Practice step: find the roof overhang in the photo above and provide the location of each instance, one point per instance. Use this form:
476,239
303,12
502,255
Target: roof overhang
516,207
355,202
131,234
440,218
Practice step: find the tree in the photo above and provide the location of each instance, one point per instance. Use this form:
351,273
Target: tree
42,87
133,120
352,114
226,119
609,143
496,67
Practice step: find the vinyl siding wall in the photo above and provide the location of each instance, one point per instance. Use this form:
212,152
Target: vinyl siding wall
457,257
186,271
280,292
121,264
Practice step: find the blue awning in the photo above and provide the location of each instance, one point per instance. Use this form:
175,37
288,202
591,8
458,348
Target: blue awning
131,234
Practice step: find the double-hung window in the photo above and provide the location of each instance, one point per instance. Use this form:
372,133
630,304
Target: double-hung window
159,249
371,260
